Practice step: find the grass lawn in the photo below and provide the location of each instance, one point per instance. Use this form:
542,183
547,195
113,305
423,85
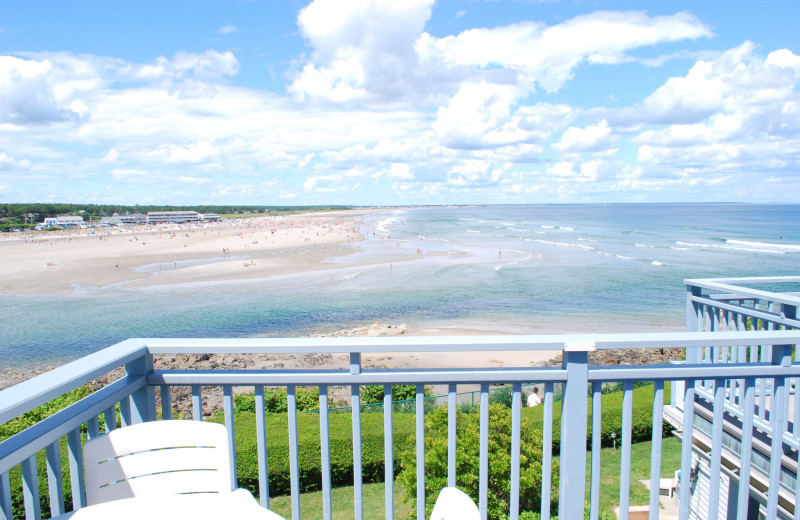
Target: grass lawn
342,503
640,470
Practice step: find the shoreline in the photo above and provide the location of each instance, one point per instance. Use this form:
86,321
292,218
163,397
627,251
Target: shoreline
133,257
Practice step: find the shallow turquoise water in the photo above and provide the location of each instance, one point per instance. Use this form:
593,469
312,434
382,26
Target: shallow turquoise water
513,268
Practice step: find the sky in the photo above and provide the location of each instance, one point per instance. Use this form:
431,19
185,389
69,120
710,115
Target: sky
285,102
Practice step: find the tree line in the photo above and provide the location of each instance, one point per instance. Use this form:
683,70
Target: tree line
38,211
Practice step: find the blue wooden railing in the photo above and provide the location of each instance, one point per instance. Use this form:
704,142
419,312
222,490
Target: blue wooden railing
716,370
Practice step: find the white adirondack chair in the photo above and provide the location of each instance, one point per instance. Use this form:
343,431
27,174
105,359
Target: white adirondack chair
157,458
454,504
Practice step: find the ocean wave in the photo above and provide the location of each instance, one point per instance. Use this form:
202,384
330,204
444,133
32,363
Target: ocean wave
769,245
656,262
473,231
565,244
735,246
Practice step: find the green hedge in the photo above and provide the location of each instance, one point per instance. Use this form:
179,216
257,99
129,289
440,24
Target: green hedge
309,459
642,420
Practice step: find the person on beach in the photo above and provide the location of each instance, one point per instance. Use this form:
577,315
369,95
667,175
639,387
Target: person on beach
534,399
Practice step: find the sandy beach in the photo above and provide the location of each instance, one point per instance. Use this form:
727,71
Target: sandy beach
61,262
80,260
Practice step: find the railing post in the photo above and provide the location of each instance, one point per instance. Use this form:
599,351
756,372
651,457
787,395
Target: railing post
142,401
572,480
693,323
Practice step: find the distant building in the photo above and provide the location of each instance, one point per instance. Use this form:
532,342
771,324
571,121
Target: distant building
210,217
161,217
63,221
131,219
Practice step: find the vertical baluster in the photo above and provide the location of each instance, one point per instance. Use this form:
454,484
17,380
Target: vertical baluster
5,497
125,416
451,436
261,446
75,454
762,387
30,488
741,359
388,451
93,427
227,406
781,355
686,449
197,403
55,482
547,450
597,439
716,448
325,447
166,403
141,404
420,404
110,418
745,458
516,414
483,470
655,454
294,478
796,415
625,463
358,499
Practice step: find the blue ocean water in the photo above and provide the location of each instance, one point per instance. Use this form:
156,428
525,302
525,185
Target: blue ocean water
528,269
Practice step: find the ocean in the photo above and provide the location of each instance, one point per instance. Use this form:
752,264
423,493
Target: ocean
515,269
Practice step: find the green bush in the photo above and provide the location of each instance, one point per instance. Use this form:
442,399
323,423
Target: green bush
641,425
374,393
276,400
501,396
309,458
468,461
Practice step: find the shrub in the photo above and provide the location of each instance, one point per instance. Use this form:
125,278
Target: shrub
276,400
468,461
309,458
374,393
642,417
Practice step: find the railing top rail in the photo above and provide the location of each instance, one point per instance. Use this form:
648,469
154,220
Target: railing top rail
29,394
424,344
26,396
732,285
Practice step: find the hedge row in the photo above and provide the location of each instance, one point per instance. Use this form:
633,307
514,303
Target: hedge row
641,424
309,459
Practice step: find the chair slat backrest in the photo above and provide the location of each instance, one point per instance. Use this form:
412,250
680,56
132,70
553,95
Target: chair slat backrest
157,458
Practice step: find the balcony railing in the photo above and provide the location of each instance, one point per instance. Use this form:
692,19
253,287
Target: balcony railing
731,368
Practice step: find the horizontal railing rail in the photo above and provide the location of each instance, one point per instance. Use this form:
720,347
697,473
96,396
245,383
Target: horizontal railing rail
578,383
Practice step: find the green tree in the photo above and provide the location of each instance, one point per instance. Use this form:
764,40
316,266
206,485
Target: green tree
468,461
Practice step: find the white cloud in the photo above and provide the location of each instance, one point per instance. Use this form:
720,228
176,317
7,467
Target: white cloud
378,52
10,164
590,139
199,152
361,48
227,29
29,94
736,114
396,171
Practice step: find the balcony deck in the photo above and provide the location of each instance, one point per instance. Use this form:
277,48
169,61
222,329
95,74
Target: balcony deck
742,378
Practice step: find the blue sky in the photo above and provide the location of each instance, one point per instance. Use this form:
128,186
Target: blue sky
392,103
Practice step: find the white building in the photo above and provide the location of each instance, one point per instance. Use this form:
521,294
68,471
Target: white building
63,221
160,217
